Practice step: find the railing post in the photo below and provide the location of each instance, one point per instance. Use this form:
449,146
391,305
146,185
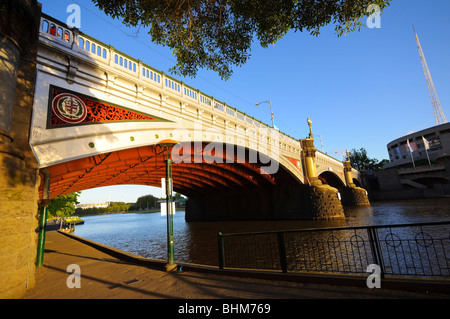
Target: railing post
282,251
376,250
43,221
41,240
221,251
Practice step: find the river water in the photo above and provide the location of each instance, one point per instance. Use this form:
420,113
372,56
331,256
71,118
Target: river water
144,234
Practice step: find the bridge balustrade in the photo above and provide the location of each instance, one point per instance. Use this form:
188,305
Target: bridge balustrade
56,29
190,93
151,75
218,106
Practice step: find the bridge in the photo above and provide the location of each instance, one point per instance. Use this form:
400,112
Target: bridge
99,115
77,113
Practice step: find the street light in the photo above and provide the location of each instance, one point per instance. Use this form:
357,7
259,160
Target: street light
168,144
271,113
310,129
311,133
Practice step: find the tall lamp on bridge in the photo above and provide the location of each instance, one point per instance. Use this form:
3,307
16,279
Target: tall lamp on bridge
168,144
271,113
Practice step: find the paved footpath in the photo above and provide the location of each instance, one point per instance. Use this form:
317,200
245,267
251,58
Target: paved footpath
104,276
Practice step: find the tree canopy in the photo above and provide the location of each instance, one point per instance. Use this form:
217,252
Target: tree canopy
217,34
361,161
143,202
63,206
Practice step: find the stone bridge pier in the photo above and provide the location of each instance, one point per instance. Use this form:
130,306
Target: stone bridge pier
19,178
351,194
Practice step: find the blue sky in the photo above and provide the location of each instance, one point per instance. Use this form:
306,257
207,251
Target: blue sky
360,90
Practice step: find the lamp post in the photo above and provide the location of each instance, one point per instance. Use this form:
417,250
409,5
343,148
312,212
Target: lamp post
271,113
310,129
168,144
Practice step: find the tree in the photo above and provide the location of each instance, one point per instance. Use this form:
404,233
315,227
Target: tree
144,202
117,207
63,206
217,34
360,161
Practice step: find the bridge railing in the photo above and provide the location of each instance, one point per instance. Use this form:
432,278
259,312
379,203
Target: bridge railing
82,44
419,250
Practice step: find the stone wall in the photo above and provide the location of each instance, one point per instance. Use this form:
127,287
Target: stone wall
18,195
19,21
354,196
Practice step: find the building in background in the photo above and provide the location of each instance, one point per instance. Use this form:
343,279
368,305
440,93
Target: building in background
419,164
432,143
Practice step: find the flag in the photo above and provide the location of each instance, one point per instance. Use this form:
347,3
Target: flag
408,146
425,143
410,152
427,147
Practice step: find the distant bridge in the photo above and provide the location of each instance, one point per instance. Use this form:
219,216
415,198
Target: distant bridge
99,115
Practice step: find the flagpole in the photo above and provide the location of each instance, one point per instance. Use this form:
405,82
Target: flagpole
414,165
425,144
429,163
410,152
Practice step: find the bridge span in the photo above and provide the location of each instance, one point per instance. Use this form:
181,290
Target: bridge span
99,115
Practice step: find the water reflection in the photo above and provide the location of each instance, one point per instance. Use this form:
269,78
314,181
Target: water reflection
145,234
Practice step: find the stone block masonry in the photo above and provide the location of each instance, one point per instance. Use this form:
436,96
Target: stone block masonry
18,195
19,178
354,196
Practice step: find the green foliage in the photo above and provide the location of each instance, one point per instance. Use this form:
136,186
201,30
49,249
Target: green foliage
73,220
360,161
218,34
63,206
117,207
113,207
90,211
144,202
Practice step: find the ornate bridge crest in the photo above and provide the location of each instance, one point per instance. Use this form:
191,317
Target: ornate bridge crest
68,108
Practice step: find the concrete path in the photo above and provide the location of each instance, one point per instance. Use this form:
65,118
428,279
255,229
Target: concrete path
107,277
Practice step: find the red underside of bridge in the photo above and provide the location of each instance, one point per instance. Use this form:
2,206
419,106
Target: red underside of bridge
146,166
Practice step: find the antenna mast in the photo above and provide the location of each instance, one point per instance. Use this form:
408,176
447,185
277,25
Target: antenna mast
438,113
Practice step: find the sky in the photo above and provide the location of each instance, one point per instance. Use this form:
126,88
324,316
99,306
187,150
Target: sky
361,90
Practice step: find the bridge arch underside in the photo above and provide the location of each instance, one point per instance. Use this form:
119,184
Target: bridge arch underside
220,185
332,179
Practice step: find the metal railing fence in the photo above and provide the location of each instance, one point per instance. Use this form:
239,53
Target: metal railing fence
400,250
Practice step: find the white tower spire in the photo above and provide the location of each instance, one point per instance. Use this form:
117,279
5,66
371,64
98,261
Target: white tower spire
438,113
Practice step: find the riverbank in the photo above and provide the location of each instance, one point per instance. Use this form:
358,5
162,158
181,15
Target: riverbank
108,273
143,211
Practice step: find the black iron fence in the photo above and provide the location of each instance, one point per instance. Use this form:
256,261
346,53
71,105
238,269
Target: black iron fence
399,250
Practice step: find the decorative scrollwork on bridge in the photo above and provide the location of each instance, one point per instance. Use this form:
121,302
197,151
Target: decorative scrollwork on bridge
63,113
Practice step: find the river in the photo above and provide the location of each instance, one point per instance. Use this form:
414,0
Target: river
144,234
